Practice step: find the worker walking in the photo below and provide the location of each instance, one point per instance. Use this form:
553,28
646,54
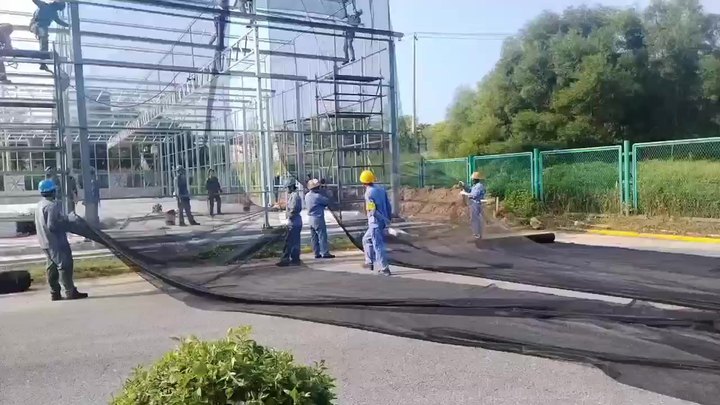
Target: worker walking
354,22
52,226
316,202
44,16
475,195
379,212
182,194
291,252
212,185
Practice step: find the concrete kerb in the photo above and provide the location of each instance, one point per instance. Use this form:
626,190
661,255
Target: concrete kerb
659,236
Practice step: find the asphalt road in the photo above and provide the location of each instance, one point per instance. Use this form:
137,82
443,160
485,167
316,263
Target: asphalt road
81,352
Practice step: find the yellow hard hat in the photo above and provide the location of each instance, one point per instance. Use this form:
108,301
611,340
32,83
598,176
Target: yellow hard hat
477,176
313,183
367,177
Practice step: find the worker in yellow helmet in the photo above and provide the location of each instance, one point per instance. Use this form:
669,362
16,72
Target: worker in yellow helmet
379,212
475,195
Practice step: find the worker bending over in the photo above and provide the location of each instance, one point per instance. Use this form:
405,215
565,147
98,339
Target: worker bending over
476,195
52,226
379,212
291,252
41,20
316,202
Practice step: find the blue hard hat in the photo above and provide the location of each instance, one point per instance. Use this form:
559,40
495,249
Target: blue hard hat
47,186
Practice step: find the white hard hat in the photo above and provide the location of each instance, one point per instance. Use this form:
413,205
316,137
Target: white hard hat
313,183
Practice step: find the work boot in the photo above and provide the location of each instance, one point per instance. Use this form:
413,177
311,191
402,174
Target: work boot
76,295
369,266
182,224
295,263
194,223
44,67
55,296
318,256
327,256
5,80
385,272
282,264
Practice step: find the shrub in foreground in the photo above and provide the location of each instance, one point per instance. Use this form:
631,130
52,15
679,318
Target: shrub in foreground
234,370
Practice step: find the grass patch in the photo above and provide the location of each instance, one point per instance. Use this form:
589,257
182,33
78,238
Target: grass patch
86,268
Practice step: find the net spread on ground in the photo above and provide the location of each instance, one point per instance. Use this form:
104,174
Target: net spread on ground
302,90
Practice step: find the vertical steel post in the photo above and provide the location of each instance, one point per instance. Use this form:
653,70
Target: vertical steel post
635,200
266,188
91,205
245,153
299,136
394,136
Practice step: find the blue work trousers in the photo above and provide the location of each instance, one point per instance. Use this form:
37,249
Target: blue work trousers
319,236
374,247
476,219
291,252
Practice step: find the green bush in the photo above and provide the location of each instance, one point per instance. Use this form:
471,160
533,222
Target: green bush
521,203
234,370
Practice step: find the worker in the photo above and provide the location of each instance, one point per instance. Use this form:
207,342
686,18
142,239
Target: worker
182,194
291,252
52,226
245,6
6,44
41,20
214,190
379,212
475,195
316,202
354,22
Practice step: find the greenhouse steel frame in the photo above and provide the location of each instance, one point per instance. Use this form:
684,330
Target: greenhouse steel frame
225,110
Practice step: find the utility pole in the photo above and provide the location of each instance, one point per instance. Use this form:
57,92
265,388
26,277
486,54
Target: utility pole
413,128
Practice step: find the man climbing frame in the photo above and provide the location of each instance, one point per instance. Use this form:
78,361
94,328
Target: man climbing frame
354,22
5,44
41,20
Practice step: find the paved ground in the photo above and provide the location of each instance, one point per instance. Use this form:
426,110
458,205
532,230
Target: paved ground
80,352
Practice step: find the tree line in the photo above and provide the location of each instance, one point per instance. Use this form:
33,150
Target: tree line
591,76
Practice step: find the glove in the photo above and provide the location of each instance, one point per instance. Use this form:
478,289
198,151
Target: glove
463,193
72,217
288,222
393,232
461,184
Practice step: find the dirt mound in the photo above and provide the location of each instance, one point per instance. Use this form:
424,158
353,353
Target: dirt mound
434,204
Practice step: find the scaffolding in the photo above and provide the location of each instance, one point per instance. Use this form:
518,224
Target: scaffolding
256,96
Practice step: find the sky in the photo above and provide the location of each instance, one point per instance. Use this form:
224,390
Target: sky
443,66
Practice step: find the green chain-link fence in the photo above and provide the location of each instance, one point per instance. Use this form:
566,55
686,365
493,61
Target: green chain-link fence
582,180
677,178
505,173
445,172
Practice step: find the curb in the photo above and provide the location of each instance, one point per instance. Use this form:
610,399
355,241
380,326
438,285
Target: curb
679,238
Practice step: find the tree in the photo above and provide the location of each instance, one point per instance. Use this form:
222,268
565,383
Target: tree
591,76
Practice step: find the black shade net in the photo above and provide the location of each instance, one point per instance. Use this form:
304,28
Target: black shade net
228,263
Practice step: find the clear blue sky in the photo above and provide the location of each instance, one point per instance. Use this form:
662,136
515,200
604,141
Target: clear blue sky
446,65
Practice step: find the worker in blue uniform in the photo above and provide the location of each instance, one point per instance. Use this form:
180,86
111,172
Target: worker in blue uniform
291,252
316,202
476,195
379,212
52,226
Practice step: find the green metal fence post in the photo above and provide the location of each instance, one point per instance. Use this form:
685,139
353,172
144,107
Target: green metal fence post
422,172
635,182
626,177
538,174
470,168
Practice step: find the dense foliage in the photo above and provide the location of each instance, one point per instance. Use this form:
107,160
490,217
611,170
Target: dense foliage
235,370
593,76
